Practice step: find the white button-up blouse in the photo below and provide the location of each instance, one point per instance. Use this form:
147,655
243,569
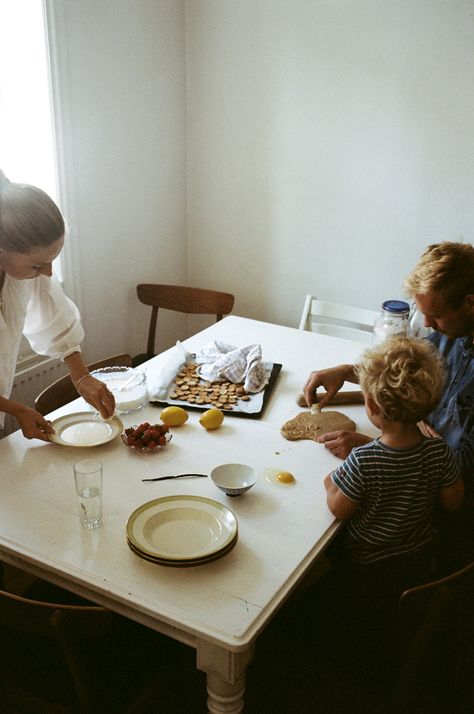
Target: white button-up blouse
39,309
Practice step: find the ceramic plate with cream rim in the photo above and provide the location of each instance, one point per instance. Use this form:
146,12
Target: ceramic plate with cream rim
184,563
181,528
84,429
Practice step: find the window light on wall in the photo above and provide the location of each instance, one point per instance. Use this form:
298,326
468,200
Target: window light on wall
27,147
26,126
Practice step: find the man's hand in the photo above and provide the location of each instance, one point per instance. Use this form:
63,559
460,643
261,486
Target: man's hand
340,443
428,430
331,379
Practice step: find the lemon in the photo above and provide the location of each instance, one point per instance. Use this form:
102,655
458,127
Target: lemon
174,416
211,419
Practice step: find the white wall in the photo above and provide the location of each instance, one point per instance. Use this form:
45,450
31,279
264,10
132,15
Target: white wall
329,141
266,147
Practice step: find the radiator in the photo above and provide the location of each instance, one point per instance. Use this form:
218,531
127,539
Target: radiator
30,382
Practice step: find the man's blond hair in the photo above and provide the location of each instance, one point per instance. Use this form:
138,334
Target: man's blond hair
447,268
404,376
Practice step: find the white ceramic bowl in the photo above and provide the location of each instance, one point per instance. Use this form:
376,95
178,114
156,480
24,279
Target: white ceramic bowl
234,479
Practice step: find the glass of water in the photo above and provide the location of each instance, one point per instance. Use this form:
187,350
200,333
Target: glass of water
88,480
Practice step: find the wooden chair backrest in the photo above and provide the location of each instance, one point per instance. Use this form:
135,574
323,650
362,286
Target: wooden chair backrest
62,391
196,301
84,641
37,617
426,610
57,623
416,600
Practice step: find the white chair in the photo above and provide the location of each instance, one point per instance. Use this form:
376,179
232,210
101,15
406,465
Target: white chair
330,318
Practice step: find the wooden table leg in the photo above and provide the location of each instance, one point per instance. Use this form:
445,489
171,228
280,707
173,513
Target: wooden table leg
225,672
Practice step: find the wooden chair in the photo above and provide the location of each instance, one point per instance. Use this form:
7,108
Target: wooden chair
329,318
187,300
408,655
437,636
62,391
83,657
424,652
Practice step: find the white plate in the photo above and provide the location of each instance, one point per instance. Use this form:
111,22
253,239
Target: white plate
182,563
84,429
181,528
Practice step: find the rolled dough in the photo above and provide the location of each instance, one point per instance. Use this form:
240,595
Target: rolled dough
312,426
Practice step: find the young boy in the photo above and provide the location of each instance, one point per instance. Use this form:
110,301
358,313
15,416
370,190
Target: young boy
387,489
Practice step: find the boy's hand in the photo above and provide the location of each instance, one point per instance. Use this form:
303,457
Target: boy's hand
340,443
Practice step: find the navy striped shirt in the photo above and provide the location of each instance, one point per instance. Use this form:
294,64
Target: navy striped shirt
397,491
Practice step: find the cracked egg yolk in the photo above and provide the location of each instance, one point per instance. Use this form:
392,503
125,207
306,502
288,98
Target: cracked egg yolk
285,477
279,478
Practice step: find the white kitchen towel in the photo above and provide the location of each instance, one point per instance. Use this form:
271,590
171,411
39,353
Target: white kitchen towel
221,362
160,374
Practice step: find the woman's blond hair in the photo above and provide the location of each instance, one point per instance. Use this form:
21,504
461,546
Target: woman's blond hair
29,218
447,268
404,376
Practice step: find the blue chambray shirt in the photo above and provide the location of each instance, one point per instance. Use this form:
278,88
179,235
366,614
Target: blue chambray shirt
453,418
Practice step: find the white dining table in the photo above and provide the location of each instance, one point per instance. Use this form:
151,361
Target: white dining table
220,607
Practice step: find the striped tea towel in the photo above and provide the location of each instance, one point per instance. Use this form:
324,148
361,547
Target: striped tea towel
220,362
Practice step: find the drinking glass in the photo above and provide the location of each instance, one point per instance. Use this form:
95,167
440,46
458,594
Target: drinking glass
88,480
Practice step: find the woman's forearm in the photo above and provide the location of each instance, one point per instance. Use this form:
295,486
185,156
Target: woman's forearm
10,407
76,366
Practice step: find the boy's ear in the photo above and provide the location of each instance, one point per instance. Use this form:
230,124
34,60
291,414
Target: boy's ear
470,302
372,406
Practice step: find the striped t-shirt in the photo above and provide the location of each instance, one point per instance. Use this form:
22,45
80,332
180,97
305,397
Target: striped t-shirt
396,490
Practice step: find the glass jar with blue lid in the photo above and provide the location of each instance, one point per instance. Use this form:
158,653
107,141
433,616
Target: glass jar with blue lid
393,320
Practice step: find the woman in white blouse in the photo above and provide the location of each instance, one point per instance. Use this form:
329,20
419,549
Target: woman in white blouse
32,302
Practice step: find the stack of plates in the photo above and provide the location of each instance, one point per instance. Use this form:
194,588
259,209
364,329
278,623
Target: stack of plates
181,530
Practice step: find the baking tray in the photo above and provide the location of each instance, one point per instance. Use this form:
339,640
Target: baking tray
253,408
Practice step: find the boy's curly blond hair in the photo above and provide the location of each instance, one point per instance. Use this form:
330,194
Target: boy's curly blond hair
404,376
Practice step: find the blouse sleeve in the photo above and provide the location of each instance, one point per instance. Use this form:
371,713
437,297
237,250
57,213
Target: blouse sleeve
53,324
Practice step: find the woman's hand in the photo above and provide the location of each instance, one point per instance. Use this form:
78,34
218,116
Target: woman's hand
32,423
340,443
97,395
331,379
88,387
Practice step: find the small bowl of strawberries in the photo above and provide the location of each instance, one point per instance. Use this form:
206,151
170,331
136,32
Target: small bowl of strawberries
147,438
